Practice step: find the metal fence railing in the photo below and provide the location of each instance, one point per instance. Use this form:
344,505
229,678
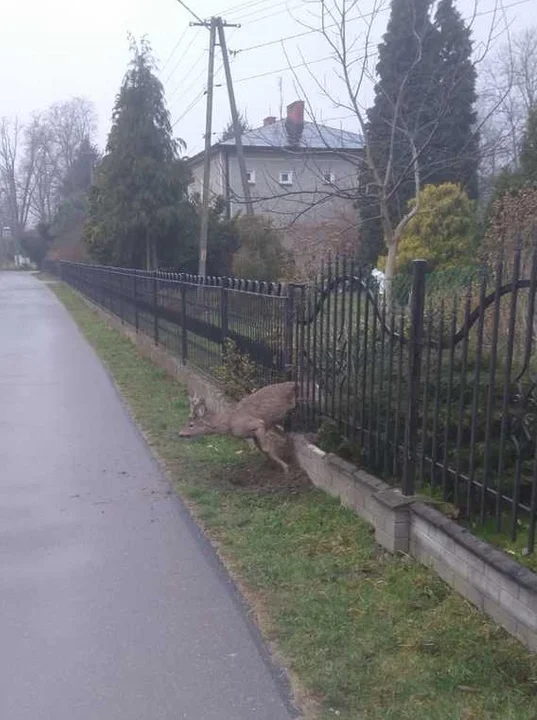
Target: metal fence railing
437,393
194,319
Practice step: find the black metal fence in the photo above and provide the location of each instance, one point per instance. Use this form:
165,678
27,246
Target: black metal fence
195,319
437,394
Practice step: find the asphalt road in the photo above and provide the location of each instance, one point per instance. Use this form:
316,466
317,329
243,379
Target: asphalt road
112,605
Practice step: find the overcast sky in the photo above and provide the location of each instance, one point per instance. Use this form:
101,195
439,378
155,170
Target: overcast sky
51,50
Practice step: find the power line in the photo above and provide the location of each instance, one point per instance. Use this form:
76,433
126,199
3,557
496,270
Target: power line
271,15
192,82
292,37
235,8
174,50
192,105
199,95
288,67
197,17
172,71
271,6
278,41
274,42
503,7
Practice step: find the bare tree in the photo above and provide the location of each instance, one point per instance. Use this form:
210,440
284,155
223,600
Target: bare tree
508,89
18,162
70,123
48,174
35,159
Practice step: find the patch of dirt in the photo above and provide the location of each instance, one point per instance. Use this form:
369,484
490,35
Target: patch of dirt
259,476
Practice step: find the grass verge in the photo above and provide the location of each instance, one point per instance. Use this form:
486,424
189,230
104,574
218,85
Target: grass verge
365,634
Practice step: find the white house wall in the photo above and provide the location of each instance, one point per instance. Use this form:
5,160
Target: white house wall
309,198
217,183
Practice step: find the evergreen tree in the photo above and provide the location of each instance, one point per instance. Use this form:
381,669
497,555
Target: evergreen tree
134,216
403,101
424,95
454,154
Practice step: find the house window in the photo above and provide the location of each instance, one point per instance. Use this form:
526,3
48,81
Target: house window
250,177
286,178
329,178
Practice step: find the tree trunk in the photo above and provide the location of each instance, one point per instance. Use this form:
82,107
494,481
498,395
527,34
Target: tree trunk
389,273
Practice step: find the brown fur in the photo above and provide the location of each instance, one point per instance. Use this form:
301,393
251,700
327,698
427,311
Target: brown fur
252,417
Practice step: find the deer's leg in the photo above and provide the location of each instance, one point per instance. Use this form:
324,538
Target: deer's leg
262,440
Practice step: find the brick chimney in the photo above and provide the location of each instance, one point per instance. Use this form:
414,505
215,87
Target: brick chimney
294,123
295,112
270,120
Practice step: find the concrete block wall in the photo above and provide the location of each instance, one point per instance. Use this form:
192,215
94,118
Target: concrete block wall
486,577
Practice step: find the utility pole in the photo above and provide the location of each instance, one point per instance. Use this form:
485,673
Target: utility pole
216,25
235,119
204,231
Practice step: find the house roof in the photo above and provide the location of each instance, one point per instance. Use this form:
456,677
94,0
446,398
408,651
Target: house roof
275,136
314,136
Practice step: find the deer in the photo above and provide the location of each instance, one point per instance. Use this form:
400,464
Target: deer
252,417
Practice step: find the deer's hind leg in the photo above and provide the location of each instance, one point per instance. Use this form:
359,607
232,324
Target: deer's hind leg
264,443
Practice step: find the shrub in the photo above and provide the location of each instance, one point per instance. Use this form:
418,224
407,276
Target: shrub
237,374
261,255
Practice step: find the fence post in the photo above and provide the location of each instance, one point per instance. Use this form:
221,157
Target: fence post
135,300
155,307
223,313
184,336
414,372
288,331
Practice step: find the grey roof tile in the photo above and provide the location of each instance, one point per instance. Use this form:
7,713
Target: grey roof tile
314,136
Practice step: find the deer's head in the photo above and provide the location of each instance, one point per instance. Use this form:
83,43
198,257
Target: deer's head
199,420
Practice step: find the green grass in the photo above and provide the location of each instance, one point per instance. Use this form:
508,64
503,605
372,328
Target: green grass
368,635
